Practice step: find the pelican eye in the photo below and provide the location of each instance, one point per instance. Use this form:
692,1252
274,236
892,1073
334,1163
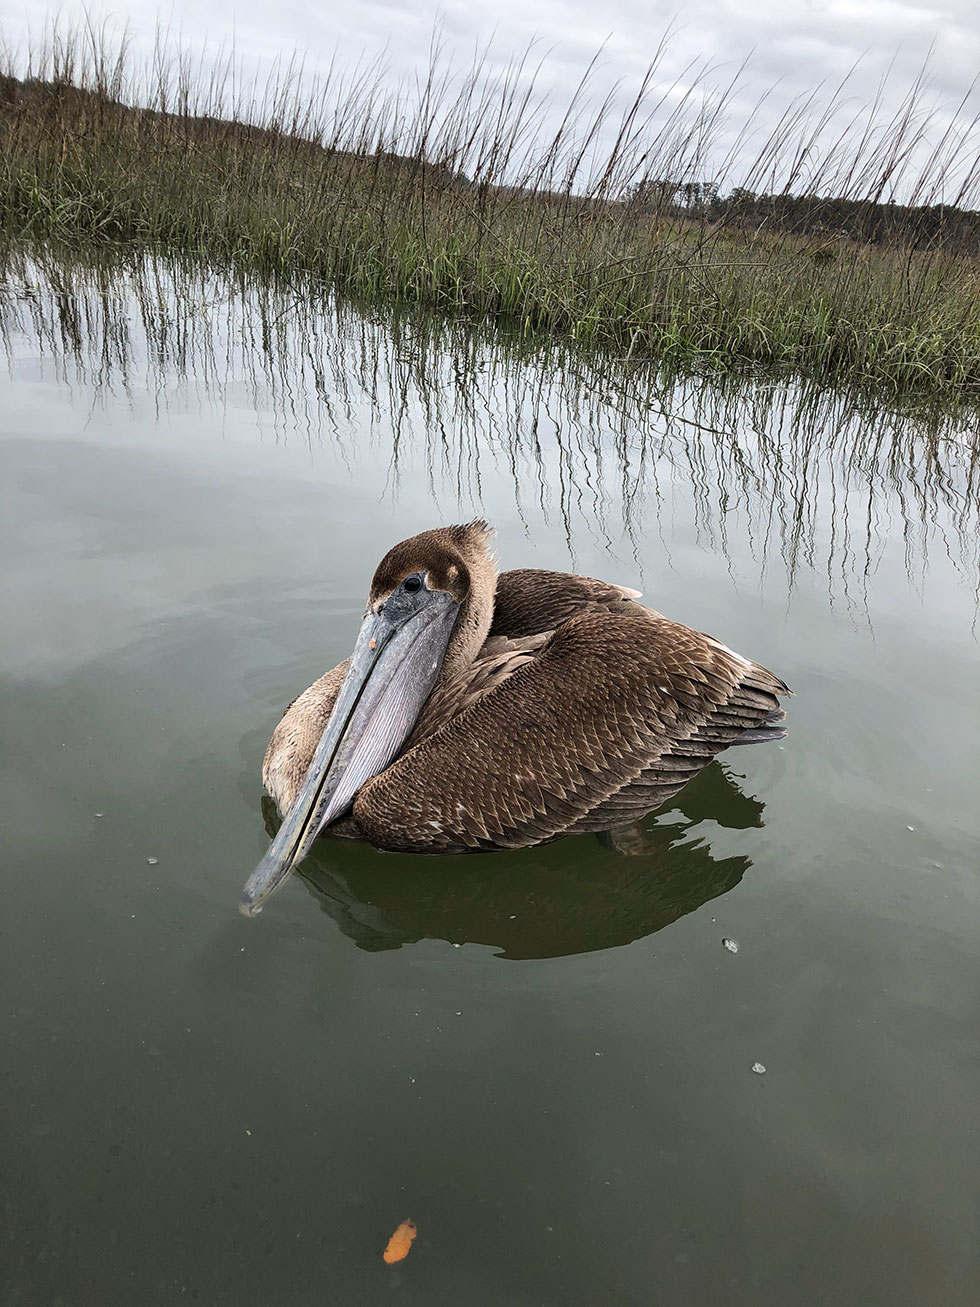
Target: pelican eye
413,584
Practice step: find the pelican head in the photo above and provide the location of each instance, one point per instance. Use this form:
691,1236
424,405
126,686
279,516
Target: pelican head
429,611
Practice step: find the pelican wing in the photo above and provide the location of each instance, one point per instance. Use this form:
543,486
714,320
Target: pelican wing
531,600
499,659
608,705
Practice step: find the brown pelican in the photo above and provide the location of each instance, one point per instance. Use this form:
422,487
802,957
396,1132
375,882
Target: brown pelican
486,711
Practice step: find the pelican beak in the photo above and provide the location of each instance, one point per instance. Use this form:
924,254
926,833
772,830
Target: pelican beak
392,670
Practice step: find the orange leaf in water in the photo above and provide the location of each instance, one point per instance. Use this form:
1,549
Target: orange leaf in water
400,1242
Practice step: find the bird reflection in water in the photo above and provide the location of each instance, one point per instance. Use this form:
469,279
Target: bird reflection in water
576,896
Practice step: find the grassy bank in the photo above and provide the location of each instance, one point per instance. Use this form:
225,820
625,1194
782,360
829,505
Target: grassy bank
452,202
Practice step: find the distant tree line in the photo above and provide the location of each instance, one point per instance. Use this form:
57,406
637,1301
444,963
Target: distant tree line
918,226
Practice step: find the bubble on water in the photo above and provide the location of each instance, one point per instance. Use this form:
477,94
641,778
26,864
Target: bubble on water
153,861
731,945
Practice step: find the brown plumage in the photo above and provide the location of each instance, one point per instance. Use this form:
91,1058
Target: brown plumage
561,705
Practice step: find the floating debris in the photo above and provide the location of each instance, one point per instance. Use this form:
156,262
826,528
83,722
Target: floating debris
153,861
758,1068
400,1242
731,945
99,814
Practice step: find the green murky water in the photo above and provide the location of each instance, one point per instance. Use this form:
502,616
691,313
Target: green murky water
543,1058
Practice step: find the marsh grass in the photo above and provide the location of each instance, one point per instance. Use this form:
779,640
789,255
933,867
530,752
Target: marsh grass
817,482
450,195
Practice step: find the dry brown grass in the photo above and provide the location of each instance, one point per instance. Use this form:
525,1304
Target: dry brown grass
470,212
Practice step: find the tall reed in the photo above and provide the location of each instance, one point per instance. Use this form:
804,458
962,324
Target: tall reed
795,474
608,229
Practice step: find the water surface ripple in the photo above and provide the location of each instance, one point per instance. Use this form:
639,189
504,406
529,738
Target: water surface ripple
543,1058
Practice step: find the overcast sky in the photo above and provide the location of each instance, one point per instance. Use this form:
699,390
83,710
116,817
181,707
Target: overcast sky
790,45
